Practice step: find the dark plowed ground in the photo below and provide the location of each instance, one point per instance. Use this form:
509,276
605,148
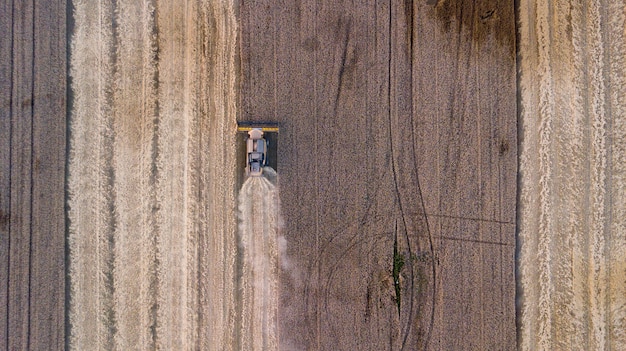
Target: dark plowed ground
398,169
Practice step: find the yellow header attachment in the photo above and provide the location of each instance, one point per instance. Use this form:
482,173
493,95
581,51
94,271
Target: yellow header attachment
263,126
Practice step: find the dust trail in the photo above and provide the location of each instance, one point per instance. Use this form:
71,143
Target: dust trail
258,232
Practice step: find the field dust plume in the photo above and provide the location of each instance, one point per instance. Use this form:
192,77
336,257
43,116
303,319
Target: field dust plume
259,215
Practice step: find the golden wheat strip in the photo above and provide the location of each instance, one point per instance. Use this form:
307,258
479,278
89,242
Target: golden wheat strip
90,177
134,104
171,163
616,243
217,243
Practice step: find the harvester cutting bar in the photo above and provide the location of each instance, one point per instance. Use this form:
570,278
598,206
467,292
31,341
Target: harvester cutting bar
263,126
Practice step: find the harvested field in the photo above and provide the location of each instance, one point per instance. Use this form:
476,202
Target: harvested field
398,163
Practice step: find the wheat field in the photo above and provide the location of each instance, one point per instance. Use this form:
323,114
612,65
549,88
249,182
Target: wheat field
572,197
151,188
154,235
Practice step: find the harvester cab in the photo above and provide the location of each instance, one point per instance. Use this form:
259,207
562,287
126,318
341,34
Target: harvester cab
257,154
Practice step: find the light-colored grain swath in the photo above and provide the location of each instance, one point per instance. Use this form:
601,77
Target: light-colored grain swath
151,188
572,217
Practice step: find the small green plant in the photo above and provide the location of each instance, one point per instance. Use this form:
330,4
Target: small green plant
398,263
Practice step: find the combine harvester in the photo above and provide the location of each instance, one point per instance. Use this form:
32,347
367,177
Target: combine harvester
260,142
258,252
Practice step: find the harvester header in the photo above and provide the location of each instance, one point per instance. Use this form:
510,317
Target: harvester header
265,127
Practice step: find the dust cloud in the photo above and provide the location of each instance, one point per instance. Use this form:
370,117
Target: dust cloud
260,245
